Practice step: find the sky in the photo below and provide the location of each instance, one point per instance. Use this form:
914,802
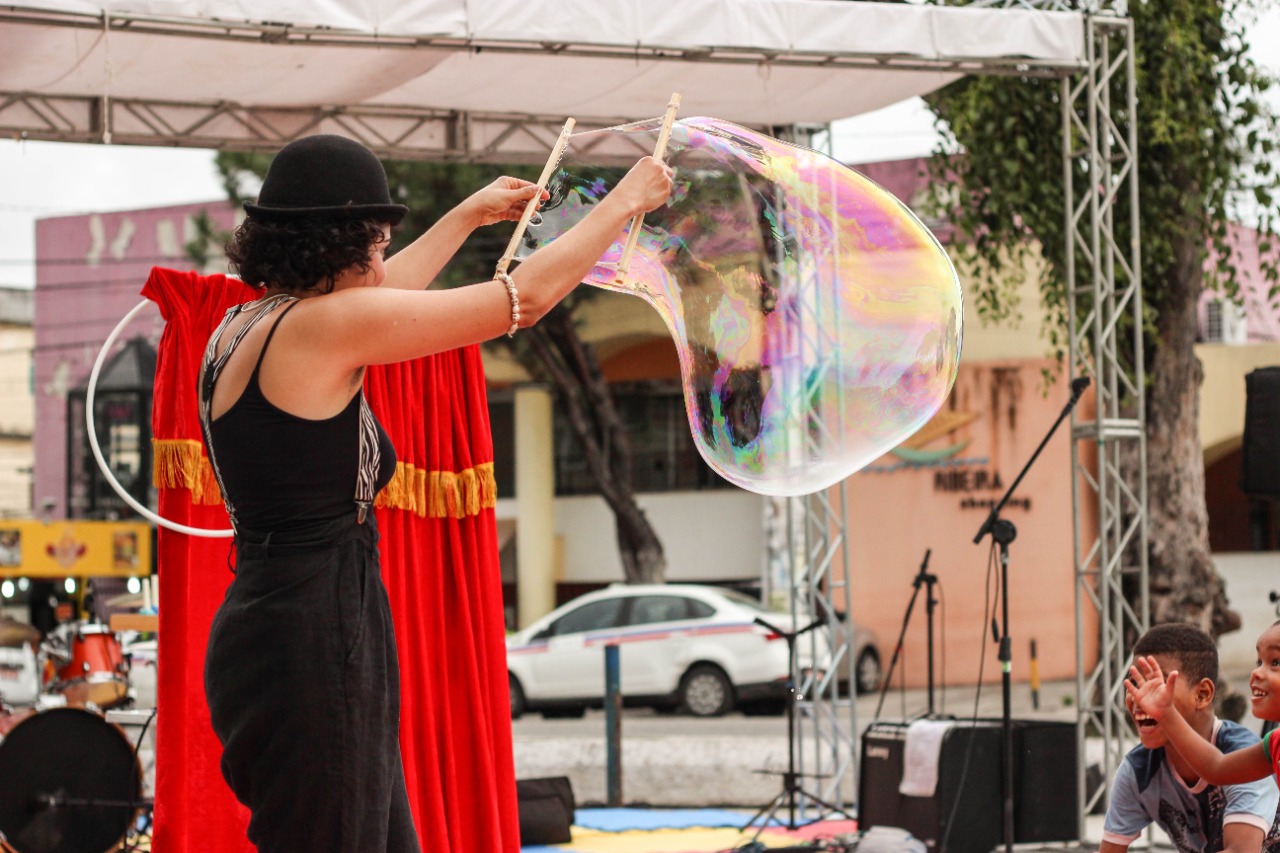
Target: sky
41,179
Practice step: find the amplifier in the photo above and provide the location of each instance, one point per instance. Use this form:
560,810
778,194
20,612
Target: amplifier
1045,799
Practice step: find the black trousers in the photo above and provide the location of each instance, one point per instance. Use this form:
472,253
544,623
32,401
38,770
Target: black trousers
304,692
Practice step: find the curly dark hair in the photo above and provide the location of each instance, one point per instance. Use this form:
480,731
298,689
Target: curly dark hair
1195,651
301,254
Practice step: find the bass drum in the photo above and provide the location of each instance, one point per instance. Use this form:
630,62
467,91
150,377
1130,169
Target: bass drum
72,784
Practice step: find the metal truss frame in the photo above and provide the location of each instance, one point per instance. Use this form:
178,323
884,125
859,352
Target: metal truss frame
403,133
1109,498
826,714
819,590
1093,7
1104,303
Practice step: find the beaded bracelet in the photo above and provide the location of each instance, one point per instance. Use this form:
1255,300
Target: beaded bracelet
515,302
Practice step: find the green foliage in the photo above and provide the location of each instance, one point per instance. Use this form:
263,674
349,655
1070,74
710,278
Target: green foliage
199,249
1205,146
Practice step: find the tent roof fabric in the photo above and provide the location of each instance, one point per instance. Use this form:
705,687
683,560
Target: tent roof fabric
402,72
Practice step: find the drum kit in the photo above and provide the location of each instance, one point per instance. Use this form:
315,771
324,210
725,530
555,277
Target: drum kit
70,778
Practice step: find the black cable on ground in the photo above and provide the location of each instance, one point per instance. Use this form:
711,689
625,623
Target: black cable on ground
133,778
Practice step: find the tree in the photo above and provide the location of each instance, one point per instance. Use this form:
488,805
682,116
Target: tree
551,351
1205,138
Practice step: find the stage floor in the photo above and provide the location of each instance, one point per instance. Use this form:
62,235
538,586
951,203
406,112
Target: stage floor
683,831
715,830
718,830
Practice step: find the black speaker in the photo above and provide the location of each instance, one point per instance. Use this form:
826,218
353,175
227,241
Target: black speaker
1260,458
546,810
1044,781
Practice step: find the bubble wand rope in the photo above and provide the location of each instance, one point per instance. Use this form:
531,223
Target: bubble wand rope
554,160
659,151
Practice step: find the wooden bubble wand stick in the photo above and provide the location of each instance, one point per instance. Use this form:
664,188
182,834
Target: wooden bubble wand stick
659,151
529,209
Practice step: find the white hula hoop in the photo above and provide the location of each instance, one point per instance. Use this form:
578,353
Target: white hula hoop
102,462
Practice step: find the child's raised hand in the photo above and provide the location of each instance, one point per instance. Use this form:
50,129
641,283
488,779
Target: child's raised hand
1151,691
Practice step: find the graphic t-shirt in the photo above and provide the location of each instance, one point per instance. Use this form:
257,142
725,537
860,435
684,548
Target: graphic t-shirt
1273,749
1147,789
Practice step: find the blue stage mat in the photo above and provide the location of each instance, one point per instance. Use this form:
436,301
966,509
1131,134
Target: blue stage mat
621,820
647,820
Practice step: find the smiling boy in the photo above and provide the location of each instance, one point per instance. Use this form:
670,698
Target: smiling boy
1152,692
1156,783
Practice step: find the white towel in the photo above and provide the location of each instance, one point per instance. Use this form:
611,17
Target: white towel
920,757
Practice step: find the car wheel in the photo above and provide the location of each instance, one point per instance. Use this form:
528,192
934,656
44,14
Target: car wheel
867,671
705,691
565,712
517,697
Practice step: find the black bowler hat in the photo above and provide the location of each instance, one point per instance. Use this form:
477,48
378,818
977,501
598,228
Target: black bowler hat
326,175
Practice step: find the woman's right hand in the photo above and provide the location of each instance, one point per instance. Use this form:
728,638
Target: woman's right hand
646,187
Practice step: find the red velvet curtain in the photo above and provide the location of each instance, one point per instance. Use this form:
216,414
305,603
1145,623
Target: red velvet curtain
439,562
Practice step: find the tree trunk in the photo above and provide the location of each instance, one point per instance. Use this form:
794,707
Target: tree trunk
1184,586
574,370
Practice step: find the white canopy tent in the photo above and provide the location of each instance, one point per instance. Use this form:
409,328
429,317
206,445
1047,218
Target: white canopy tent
483,79
494,80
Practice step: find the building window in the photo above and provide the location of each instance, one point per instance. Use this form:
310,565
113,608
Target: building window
502,427
663,455
122,415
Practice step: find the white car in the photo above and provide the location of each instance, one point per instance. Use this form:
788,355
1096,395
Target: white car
697,648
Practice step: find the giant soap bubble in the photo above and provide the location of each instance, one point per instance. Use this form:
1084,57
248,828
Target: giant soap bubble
818,321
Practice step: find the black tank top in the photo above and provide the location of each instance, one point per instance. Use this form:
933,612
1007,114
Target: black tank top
281,472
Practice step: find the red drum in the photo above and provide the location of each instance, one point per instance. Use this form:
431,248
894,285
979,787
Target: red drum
91,667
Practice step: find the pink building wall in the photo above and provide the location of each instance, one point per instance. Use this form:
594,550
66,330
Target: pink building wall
896,509
1261,310
90,270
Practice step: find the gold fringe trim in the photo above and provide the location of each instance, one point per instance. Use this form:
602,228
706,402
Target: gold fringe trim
181,464
441,494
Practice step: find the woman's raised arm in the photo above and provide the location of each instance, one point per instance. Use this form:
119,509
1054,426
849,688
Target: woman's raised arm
416,266
362,326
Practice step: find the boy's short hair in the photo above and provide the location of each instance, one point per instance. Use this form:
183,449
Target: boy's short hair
1195,651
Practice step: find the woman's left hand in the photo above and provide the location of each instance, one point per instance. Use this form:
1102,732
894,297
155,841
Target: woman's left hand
504,199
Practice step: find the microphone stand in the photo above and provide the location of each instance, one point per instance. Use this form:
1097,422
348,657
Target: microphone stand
791,788
1003,533
922,578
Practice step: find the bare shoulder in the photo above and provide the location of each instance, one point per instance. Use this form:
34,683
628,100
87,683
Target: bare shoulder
304,371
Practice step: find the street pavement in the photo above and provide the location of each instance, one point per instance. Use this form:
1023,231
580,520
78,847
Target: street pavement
676,760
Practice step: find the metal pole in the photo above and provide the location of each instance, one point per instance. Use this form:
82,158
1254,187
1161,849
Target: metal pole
613,724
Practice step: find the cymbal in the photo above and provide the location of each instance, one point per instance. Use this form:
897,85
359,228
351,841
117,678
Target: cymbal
14,633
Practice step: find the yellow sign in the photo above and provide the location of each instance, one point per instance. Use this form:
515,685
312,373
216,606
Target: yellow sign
30,548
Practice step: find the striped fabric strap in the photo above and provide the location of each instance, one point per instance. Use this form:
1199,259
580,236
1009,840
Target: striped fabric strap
211,369
370,461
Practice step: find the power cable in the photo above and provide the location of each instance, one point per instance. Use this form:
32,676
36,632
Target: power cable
987,616
133,770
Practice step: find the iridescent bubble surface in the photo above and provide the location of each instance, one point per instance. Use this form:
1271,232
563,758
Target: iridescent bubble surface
817,320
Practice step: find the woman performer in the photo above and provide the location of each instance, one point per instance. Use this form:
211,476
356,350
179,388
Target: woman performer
301,674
